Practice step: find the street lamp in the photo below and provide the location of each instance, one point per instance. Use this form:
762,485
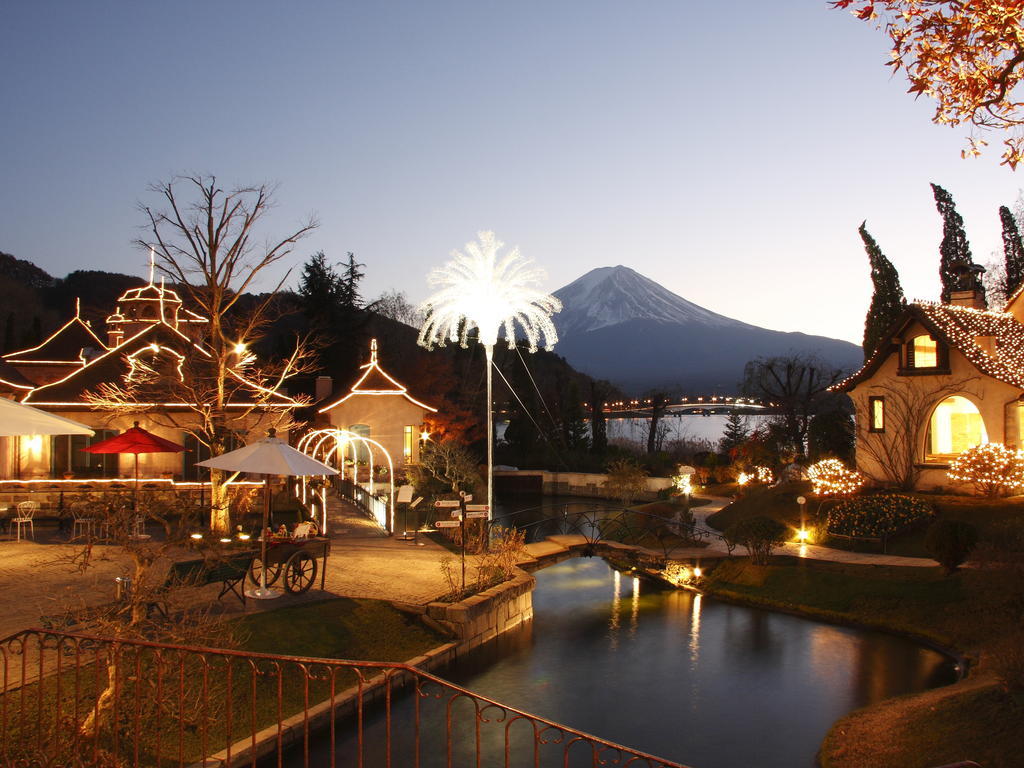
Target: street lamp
802,533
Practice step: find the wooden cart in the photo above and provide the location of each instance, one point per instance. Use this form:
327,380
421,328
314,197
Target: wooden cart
294,560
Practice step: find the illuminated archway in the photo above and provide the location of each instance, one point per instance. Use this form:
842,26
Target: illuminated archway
954,426
334,447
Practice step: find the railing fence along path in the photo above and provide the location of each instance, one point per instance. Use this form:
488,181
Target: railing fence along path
77,700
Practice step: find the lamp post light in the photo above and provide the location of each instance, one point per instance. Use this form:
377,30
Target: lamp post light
802,533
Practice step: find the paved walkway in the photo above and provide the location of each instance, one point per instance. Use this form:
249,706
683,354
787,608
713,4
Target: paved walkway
809,551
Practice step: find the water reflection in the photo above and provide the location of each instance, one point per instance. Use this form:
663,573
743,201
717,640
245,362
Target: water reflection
684,682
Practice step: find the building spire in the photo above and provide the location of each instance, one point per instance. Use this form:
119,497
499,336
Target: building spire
78,306
373,352
152,264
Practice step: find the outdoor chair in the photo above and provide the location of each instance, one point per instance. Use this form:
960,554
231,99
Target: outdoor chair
26,511
83,520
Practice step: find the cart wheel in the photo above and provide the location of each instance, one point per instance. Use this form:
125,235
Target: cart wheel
299,572
273,571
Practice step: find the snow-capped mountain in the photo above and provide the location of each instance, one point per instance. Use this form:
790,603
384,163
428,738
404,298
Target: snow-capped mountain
618,325
612,295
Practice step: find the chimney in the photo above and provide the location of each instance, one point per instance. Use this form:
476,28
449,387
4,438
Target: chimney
324,387
114,337
974,299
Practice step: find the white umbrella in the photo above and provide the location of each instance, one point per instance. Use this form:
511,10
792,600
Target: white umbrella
269,456
17,419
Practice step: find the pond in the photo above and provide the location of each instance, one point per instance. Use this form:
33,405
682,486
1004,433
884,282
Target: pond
680,675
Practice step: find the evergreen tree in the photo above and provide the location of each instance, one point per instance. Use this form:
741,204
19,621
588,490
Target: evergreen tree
574,424
887,300
954,251
1013,250
320,288
735,433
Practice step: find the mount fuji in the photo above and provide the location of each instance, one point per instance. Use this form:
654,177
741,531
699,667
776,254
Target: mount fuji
618,325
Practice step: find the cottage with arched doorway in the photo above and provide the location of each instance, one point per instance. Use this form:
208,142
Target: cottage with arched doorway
950,377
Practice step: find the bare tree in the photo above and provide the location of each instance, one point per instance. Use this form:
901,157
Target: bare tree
656,431
894,454
204,239
395,305
796,386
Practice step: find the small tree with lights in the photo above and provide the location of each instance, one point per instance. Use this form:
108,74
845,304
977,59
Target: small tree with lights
993,469
830,477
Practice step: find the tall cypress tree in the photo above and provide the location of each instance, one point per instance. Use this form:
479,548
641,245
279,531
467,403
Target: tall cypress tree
1013,250
887,300
954,251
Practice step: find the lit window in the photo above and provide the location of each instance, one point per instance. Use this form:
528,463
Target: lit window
955,426
925,352
407,442
876,411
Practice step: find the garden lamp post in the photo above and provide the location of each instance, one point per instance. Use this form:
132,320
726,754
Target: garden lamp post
802,533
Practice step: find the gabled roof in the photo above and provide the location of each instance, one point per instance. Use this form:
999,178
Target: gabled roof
115,364
64,345
10,378
375,381
958,327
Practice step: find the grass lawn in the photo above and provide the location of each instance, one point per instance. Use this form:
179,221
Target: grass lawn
341,628
777,502
973,719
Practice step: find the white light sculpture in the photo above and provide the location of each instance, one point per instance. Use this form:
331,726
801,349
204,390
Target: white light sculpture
494,294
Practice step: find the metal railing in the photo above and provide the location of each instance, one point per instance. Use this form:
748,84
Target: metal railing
77,700
373,506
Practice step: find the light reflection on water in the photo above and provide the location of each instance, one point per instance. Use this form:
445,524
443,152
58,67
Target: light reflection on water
686,677
683,676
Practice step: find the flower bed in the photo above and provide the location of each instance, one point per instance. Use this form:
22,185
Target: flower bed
876,516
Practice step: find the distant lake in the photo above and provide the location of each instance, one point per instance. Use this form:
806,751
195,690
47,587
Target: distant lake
686,427
679,427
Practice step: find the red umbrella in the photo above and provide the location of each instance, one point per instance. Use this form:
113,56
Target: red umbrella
135,440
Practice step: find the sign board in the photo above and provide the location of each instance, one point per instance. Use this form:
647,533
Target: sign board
416,502
404,494
476,514
446,504
447,524
477,507
456,513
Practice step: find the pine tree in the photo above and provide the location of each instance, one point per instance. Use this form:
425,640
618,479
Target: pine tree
320,288
954,251
1013,250
574,424
887,300
735,433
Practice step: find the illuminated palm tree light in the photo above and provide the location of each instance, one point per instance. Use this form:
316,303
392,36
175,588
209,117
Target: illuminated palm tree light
496,295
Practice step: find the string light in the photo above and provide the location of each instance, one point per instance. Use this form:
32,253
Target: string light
993,469
377,387
830,477
961,328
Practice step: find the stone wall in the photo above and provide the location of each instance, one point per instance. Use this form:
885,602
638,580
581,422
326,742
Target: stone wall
485,615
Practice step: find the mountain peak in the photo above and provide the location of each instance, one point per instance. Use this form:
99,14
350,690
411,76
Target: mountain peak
611,295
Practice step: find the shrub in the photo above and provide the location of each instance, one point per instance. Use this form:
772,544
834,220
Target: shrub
625,481
950,541
1007,662
830,477
876,516
760,535
993,469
